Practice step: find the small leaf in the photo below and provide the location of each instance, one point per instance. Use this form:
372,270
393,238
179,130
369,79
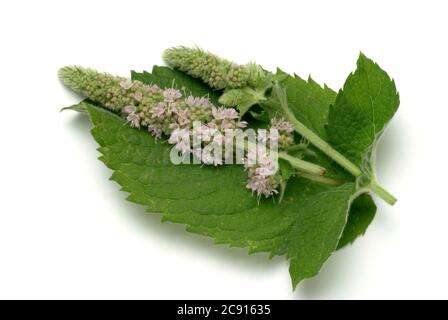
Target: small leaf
79,107
361,214
362,110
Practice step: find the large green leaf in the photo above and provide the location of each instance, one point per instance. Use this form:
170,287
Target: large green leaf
307,224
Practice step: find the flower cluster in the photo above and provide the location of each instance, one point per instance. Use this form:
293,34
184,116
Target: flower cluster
166,112
112,92
262,172
161,111
213,70
207,140
285,132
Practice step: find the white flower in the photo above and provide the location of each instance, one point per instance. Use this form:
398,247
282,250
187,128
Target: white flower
198,102
155,130
173,126
265,161
260,173
226,124
282,125
182,116
171,94
261,185
129,109
242,124
159,110
134,120
126,84
153,89
138,96
222,113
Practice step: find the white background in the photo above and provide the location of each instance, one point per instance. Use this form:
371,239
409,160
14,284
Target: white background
66,230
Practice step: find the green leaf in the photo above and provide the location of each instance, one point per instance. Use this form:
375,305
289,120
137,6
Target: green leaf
309,102
79,107
214,202
361,214
362,110
166,77
324,215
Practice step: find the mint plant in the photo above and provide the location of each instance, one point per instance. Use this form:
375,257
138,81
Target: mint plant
315,202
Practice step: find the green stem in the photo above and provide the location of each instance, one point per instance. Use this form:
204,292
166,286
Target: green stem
314,138
324,146
381,192
297,163
320,179
327,148
302,165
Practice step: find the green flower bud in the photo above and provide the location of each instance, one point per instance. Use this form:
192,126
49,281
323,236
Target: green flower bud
112,92
213,70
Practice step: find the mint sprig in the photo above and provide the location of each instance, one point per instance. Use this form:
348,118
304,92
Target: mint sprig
316,215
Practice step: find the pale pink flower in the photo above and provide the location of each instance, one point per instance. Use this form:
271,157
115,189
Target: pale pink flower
138,96
223,113
198,102
159,110
282,125
126,84
226,124
174,126
261,186
242,124
153,89
155,130
129,109
171,94
134,120
182,116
